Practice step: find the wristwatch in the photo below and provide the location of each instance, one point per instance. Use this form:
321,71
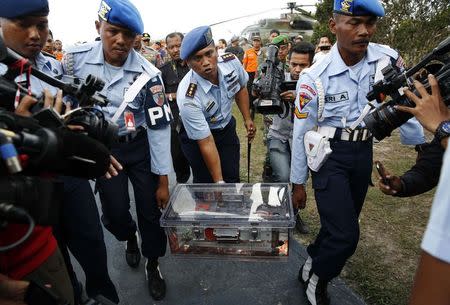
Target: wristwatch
443,131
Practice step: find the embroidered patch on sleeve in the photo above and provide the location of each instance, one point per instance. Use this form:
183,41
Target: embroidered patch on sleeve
304,98
311,90
300,115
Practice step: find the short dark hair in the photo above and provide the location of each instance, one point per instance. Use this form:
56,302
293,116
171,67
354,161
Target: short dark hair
274,31
174,34
223,41
303,48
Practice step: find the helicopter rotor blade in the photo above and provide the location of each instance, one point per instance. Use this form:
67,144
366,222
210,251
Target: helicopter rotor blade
250,15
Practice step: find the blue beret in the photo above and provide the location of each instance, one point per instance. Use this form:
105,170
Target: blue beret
18,8
359,7
197,39
122,13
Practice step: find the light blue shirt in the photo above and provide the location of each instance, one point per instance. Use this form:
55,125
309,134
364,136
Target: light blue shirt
436,240
345,97
210,107
80,61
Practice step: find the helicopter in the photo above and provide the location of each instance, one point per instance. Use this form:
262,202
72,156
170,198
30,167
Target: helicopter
297,22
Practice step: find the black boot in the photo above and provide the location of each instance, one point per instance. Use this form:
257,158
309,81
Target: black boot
301,226
316,292
132,253
155,282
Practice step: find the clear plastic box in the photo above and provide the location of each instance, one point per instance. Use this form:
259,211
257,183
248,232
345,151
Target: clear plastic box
230,220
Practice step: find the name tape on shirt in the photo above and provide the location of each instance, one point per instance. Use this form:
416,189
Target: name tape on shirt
336,98
158,113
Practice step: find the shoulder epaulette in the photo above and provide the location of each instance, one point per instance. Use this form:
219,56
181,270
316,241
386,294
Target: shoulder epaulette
80,48
227,57
385,49
46,54
191,90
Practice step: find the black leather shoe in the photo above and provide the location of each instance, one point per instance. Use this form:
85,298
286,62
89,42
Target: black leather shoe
301,226
132,253
155,282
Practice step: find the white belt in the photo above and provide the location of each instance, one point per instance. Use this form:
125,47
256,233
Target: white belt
362,134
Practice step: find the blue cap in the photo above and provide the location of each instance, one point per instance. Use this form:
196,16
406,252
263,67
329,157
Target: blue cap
197,39
359,7
18,8
122,13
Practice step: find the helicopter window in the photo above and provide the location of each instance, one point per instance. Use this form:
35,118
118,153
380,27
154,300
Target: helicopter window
301,25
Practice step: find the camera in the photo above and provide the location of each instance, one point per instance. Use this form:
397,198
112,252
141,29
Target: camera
94,123
383,120
270,85
324,48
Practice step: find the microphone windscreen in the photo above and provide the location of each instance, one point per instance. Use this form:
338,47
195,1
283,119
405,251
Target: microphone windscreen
75,149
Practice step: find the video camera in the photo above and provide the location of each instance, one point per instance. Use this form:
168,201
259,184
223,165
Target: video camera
383,120
271,84
84,92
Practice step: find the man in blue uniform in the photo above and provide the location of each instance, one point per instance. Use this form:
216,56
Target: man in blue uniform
332,95
138,105
209,140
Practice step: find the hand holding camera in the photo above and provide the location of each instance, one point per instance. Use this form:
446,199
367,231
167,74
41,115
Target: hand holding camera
430,109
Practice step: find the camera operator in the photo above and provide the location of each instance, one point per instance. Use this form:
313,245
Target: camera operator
323,48
432,281
25,31
279,136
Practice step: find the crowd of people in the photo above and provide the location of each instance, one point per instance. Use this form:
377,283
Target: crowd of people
180,92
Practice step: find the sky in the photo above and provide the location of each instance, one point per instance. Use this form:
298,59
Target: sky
73,21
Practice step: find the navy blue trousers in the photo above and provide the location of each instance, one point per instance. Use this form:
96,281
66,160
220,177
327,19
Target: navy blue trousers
80,231
340,188
135,159
228,146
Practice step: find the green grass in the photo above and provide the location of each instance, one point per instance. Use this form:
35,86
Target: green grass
383,268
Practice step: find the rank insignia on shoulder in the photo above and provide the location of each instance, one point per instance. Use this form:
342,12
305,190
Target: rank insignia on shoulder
191,90
228,56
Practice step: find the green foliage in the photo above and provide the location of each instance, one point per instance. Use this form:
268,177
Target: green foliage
324,12
413,28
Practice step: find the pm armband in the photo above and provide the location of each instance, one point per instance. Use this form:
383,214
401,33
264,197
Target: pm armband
157,109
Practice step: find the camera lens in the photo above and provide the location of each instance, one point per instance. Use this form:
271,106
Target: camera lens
383,120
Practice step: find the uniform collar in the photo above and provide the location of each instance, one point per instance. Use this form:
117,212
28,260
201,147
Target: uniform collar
43,62
131,64
372,55
338,65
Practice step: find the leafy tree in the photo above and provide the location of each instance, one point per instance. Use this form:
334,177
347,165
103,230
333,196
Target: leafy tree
324,10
